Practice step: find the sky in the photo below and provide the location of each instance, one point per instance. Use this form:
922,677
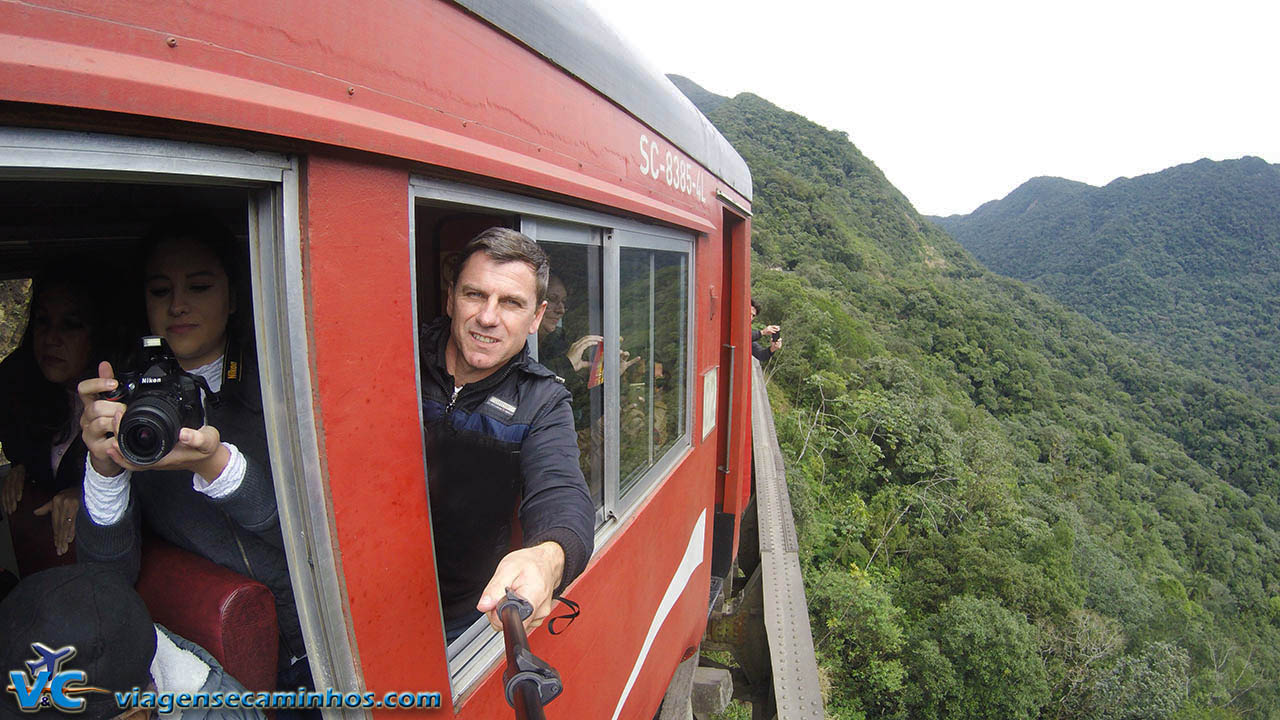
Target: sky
959,102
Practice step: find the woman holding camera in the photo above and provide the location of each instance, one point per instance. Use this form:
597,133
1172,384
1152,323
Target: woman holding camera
65,331
212,494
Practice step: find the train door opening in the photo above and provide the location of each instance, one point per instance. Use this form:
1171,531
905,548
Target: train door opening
731,351
728,354
729,499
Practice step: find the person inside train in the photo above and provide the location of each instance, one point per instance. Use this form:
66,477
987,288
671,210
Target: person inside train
40,430
579,364
86,618
553,342
212,494
576,359
759,350
500,439
565,359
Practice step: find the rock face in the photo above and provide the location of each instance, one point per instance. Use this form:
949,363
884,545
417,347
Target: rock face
14,296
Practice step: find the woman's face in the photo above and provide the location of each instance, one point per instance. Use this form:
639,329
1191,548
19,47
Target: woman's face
189,300
60,335
557,303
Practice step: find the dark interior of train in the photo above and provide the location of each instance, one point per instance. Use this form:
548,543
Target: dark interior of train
43,222
94,227
442,231
87,227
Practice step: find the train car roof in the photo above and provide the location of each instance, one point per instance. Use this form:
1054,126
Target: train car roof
572,36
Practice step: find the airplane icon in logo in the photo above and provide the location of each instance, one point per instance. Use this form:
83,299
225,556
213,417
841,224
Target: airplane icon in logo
50,659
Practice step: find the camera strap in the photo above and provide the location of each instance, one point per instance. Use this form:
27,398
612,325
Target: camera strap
232,368
574,611
233,361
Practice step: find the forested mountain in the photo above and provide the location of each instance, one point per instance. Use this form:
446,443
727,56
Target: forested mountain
1004,510
1186,261
704,99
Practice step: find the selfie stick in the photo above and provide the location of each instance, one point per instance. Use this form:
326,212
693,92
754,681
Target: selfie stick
528,680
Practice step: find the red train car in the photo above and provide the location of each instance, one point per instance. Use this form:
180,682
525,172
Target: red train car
352,146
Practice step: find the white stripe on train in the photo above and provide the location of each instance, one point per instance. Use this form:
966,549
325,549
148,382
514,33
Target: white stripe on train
690,562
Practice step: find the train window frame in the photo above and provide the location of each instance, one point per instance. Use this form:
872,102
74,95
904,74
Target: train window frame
473,654
277,288
662,466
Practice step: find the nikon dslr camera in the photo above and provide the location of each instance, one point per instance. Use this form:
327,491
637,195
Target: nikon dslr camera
162,399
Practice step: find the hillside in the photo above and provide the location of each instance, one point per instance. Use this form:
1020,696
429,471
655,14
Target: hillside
1005,511
1186,261
706,101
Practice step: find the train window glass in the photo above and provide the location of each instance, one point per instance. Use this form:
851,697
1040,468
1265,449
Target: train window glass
654,292
54,213
571,344
15,294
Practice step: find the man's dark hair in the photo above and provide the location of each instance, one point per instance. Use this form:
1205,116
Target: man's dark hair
755,305
507,245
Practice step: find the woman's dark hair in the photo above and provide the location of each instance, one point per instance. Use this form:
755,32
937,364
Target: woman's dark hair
210,232
201,228
38,403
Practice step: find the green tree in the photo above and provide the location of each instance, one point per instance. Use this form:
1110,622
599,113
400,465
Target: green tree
991,656
860,640
1150,686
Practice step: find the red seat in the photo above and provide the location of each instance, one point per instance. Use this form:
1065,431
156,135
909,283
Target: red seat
32,535
226,613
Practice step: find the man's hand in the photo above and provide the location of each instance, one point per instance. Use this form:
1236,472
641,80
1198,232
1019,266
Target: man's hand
11,494
776,345
625,361
533,574
771,330
62,511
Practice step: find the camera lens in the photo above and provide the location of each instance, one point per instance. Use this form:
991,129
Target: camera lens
149,429
144,439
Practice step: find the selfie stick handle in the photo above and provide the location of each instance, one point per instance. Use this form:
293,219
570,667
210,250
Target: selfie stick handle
528,680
